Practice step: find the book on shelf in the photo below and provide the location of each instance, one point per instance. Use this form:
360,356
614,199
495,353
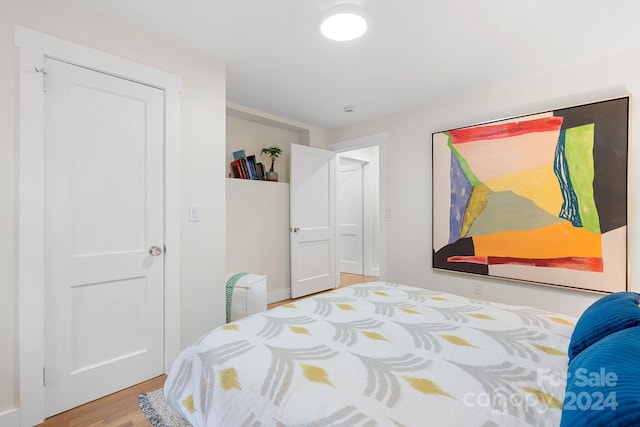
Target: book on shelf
239,169
260,171
236,169
237,155
247,167
251,165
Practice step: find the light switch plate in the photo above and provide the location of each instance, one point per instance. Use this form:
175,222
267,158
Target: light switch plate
477,288
194,213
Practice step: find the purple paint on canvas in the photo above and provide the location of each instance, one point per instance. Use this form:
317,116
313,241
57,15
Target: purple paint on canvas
460,194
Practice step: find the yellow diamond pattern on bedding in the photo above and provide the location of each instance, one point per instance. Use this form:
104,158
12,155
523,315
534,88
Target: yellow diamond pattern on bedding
377,354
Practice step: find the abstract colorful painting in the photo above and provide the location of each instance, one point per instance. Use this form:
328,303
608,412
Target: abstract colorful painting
540,198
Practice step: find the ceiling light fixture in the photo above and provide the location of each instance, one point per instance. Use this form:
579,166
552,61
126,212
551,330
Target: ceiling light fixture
343,22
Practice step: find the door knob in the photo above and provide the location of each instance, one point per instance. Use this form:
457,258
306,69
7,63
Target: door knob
295,229
155,251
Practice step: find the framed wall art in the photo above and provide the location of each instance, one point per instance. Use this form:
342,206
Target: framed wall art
540,198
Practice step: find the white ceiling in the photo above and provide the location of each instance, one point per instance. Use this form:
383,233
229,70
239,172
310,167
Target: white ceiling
415,51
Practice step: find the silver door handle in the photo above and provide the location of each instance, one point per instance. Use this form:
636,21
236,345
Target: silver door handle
295,229
155,251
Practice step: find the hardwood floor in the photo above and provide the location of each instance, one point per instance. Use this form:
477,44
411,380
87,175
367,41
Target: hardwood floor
116,410
121,409
346,279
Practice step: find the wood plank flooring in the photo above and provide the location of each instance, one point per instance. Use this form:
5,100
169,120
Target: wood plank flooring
346,279
116,410
121,409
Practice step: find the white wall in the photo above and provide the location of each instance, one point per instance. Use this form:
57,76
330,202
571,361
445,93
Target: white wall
409,249
258,232
308,135
203,162
253,137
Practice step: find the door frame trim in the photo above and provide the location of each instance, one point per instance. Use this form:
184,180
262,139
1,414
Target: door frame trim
33,47
380,140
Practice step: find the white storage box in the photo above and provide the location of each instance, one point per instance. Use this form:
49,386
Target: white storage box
246,294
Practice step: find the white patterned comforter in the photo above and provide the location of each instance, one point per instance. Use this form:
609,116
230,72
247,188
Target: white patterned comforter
377,354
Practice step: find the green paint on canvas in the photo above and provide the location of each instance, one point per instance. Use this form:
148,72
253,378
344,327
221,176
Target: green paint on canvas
473,179
579,154
506,211
477,203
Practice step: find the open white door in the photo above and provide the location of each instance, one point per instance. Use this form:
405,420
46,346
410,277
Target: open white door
350,216
313,220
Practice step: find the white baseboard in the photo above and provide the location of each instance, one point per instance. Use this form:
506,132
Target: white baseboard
10,418
372,271
280,295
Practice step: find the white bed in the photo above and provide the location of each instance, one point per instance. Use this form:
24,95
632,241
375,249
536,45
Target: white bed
377,354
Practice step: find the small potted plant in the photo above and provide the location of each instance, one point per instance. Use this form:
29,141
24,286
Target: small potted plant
273,153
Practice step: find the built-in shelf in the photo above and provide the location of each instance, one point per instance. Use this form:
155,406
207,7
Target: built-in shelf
257,181
258,211
252,131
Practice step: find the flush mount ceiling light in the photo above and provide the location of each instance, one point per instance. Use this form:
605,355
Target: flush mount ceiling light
343,22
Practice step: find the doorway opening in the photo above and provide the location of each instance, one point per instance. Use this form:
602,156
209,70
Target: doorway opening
360,205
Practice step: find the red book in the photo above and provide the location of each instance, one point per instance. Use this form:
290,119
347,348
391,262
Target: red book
236,169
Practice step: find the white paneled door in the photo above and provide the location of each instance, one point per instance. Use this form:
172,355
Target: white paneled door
350,216
104,150
313,220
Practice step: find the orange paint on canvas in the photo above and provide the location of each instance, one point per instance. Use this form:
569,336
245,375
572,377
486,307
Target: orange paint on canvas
554,241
